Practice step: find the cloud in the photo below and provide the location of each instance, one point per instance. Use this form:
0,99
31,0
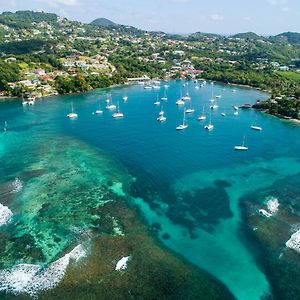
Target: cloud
216,17
277,2
57,3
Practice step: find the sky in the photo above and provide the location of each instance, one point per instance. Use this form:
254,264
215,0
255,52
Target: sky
177,16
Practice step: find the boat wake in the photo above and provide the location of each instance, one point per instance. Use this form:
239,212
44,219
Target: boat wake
32,279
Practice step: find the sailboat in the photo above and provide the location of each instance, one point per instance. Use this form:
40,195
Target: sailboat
241,147
125,98
255,127
183,125
157,102
24,102
110,105
72,114
189,110
212,99
186,97
214,106
209,126
203,116
31,100
118,114
161,117
180,100
5,126
161,113
99,111
164,98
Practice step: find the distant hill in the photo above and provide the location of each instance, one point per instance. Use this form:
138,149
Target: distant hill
290,37
247,35
202,35
103,22
23,19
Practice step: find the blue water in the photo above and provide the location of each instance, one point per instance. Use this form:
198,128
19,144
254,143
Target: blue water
188,182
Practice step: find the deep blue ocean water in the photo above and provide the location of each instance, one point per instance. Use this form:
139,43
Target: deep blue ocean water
188,183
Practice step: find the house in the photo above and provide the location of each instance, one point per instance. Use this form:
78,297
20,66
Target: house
10,59
40,72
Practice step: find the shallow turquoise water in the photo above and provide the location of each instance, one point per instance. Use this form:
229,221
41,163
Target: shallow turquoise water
188,182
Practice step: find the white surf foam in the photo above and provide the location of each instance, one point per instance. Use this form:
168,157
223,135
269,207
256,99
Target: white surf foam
5,215
294,242
273,205
17,185
32,279
122,263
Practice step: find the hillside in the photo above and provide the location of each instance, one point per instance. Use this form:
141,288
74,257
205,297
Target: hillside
103,22
247,35
290,37
23,19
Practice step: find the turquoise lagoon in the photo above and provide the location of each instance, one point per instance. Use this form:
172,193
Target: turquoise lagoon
55,172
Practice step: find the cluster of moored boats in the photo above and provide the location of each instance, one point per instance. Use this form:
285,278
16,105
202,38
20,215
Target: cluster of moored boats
110,106
209,126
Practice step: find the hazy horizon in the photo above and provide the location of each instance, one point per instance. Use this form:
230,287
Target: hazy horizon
264,17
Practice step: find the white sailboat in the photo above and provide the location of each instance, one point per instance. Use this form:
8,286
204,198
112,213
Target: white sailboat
24,102
180,100
157,101
110,105
72,114
5,126
186,97
161,113
125,98
31,100
214,106
183,125
99,111
255,127
209,126
203,116
118,114
164,98
189,110
212,99
241,147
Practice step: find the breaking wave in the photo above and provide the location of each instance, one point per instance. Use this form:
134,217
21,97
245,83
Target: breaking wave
5,215
32,279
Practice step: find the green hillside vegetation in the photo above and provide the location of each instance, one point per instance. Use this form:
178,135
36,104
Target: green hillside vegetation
103,22
290,37
24,19
247,35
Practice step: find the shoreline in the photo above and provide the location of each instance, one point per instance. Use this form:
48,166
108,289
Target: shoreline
10,98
